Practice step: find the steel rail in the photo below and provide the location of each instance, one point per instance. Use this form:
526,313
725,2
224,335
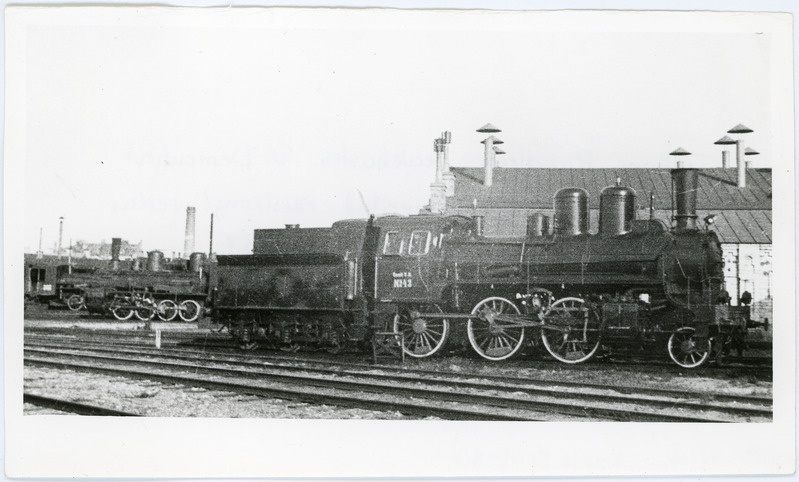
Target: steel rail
73,407
688,401
536,405
466,377
304,394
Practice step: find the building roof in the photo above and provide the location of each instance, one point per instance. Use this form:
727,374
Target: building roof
534,188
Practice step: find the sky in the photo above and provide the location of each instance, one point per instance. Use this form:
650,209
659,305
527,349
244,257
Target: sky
267,117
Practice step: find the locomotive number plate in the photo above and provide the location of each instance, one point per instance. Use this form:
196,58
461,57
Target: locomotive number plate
402,279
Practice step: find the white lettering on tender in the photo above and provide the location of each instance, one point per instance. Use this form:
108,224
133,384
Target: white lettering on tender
402,279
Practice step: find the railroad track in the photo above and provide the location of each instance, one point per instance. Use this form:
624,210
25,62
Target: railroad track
489,400
73,407
459,379
750,366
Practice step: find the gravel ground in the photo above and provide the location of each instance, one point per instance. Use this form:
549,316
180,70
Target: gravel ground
156,399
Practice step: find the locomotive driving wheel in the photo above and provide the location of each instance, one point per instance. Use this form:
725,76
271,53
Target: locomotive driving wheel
491,337
76,302
145,308
167,310
189,310
576,332
684,349
423,336
120,310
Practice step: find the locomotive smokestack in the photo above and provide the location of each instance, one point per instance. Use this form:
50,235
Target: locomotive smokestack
116,246
685,183
188,243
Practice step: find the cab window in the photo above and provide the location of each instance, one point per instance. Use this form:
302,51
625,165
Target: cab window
420,243
393,243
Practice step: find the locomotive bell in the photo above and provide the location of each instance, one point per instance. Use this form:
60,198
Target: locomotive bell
571,211
616,210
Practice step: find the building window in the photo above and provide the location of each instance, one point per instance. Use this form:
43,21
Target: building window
393,243
420,243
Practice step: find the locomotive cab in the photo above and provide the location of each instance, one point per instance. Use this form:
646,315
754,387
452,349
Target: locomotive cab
409,256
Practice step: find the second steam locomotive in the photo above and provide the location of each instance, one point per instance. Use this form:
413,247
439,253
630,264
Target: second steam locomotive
638,284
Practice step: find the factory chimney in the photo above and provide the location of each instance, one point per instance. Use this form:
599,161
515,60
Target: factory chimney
438,190
188,243
448,177
116,246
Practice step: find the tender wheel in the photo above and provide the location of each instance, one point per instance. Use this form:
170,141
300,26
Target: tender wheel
685,351
167,310
576,332
492,337
423,336
189,310
76,302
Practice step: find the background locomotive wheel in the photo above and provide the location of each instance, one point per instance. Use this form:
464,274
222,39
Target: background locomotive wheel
581,340
145,309
423,336
167,310
189,310
119,312
685,351
493,339
76,302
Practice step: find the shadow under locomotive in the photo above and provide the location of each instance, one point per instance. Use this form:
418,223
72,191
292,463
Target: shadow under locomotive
414,283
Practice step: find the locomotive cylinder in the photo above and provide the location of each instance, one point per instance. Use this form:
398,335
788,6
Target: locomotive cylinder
116,246
616,210
196,262
537,225
571,212
154,259
686,182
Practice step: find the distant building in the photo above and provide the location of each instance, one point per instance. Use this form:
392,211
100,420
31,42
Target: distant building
102,250
743,215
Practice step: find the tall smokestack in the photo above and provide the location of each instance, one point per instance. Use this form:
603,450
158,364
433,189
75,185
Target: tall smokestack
60,235
438,147
739,152
116,246
739,158
685,183
488,178
188,243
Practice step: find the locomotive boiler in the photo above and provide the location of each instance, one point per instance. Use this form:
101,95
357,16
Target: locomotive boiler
636,284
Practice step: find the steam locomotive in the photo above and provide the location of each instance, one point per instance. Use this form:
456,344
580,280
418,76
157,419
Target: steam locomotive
426,279
168,291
